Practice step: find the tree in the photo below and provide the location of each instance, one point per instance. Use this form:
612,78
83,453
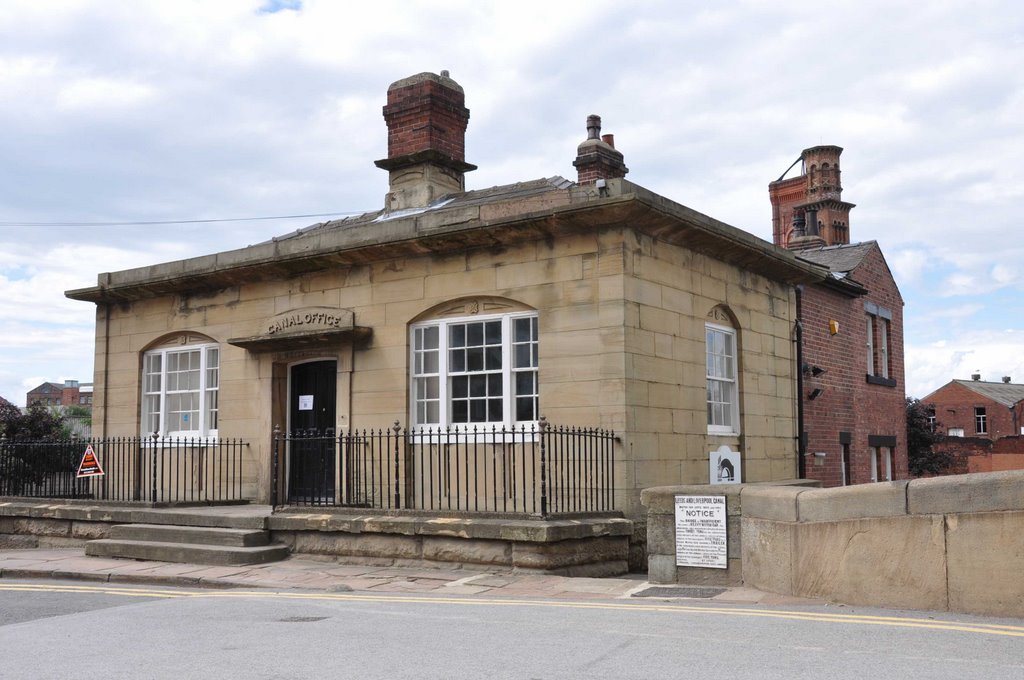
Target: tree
38,422
922,458
24,462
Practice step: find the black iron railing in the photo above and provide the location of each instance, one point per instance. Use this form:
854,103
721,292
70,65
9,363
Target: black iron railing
148,469
542,470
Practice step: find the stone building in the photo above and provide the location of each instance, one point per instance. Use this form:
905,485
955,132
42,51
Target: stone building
595,303
851,382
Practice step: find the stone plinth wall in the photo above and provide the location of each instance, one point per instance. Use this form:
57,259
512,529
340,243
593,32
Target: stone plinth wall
576,547
953,543
661,533
593,546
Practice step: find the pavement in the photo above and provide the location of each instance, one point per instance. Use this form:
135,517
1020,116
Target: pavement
307,573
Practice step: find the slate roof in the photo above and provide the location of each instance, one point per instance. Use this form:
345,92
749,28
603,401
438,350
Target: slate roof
1006,394
839,258
520,192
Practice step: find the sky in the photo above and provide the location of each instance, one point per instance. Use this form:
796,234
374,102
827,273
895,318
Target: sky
197,115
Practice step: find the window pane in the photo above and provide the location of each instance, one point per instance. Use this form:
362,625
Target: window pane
493,358
430,362
477,386
460,386
460,412
494,412
458,336
474,334
430,337
493,332
478,411
475,359
494,385
457,361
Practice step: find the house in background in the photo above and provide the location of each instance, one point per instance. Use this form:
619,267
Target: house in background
70,393
983,423
595,303
851,383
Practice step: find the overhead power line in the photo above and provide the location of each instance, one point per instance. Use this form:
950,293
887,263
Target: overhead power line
142,223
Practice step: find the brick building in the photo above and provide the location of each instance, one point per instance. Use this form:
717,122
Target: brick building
71,393
851,384
982,423
600,303
977,408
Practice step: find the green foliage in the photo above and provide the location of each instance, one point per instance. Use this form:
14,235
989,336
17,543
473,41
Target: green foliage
922,458
24,460
38,422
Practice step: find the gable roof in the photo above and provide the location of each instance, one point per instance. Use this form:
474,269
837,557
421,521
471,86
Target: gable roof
48,388
1006,394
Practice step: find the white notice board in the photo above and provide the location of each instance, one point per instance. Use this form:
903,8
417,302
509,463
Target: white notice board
701,535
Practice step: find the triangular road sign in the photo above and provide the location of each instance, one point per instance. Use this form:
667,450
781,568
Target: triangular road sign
90,465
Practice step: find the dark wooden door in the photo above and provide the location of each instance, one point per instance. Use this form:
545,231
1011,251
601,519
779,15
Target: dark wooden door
312,400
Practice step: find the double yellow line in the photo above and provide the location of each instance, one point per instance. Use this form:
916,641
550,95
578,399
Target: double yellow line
739,610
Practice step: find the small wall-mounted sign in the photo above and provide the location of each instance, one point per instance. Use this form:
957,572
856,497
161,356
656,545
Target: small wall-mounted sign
305,402
725,466
701,532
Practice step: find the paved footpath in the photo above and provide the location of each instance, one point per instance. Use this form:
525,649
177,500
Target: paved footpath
305,572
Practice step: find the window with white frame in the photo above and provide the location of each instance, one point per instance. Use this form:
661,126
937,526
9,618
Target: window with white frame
722,393
877,341
475,371
980,420
179,391
881,463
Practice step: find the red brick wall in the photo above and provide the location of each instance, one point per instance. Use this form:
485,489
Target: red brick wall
784,196
954,407
977,454
426,115
848,403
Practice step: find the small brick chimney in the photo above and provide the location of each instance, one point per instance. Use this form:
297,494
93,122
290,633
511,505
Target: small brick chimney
808,210
596,157
427,118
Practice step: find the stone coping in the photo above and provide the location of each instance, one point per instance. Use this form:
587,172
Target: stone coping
527,529
953,494
504,529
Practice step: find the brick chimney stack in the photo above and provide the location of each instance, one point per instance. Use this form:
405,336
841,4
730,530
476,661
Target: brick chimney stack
426,117
808,210
596,157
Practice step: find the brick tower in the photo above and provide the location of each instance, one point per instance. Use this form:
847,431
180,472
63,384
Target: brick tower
808,210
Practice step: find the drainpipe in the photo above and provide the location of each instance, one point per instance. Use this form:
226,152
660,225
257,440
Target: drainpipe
801,446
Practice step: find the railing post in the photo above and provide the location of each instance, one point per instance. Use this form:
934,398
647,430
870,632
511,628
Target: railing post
543,424
275,454
398,491
152,481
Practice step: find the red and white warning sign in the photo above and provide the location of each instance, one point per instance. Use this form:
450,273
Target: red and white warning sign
90,465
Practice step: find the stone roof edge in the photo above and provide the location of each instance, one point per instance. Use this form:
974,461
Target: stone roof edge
276,254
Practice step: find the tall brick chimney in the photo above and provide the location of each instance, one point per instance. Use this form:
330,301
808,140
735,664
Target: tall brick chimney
427,118
596,157
808,210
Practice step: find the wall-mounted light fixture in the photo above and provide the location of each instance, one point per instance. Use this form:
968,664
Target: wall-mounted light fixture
815,393
833,327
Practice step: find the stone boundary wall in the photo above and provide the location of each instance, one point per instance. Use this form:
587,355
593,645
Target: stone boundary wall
946,543
661,531
592,546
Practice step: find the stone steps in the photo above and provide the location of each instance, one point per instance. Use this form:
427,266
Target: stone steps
188,544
